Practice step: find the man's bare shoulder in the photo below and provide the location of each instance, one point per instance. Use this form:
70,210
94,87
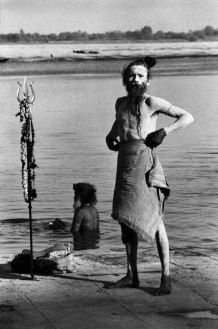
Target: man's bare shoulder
88,209
120,101
156,103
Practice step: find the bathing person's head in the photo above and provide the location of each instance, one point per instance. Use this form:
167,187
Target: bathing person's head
84,194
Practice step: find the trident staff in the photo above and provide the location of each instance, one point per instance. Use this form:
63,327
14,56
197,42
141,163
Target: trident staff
27,152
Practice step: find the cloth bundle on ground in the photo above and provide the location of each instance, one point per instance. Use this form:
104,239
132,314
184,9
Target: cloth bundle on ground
140,190
56,259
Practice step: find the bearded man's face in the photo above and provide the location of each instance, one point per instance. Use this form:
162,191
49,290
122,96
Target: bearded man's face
137,82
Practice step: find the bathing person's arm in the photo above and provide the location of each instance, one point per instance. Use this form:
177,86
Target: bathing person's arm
77,221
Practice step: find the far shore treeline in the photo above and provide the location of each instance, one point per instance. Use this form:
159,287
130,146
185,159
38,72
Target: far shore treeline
145,34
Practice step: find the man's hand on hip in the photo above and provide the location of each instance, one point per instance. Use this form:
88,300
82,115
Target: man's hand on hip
155,138
112,144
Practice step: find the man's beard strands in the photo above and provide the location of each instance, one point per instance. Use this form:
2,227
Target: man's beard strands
136,98
135,90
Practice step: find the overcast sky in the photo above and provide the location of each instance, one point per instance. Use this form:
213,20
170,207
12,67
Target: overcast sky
55,16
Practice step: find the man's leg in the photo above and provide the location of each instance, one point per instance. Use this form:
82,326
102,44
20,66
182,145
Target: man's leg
130,239
163,250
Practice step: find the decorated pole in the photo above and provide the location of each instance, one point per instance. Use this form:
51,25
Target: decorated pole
27,154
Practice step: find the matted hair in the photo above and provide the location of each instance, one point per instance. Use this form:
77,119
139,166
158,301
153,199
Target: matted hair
87,193
147,62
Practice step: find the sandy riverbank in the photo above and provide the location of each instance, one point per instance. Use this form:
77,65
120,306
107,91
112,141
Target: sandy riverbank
194,65
80,300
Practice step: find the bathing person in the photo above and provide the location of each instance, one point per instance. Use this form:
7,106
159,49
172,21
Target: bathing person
57,225
141,187
86,217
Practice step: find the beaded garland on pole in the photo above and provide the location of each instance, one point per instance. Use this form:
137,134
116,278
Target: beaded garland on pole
27,141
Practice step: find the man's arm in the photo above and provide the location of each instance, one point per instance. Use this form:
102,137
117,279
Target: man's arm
183,119
114,132
111,138
77,221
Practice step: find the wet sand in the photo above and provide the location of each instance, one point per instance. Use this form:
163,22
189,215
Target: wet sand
184,65
79,299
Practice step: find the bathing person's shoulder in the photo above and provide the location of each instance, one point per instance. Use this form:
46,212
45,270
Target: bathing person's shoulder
90,217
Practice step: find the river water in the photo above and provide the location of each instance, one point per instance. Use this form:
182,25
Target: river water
72,115
130,49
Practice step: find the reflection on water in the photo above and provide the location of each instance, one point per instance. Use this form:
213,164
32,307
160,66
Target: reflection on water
72,116
82,240
86,240
16,233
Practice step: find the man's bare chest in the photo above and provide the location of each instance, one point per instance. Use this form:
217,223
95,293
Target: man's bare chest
129,116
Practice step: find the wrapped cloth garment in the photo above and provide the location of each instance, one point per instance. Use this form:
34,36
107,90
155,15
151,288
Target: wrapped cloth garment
140,190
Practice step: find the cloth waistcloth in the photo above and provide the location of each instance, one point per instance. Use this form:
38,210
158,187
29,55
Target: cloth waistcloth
140,189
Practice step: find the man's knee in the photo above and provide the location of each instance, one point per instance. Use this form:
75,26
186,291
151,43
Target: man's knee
161,228
128,234
161,234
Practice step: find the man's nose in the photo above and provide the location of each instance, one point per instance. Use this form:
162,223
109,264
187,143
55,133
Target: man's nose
136,78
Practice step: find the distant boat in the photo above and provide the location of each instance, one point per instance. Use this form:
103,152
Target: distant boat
3,59
85,52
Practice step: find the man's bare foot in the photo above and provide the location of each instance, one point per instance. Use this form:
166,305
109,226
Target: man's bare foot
165,286
126,282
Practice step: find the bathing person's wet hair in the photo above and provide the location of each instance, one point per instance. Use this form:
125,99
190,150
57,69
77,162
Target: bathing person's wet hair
147,62
86,193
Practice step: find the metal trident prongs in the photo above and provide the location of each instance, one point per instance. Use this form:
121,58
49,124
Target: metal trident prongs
27,152
26,100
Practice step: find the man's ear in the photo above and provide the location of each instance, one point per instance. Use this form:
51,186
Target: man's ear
148,82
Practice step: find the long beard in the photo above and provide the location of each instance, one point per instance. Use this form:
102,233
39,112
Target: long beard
136,96
136,92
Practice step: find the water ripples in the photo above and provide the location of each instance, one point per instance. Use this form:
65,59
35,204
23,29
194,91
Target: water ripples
70,147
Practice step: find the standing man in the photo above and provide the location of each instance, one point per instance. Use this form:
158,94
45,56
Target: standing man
141,187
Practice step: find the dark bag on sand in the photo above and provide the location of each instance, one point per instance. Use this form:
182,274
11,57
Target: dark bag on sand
22,264
58,258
